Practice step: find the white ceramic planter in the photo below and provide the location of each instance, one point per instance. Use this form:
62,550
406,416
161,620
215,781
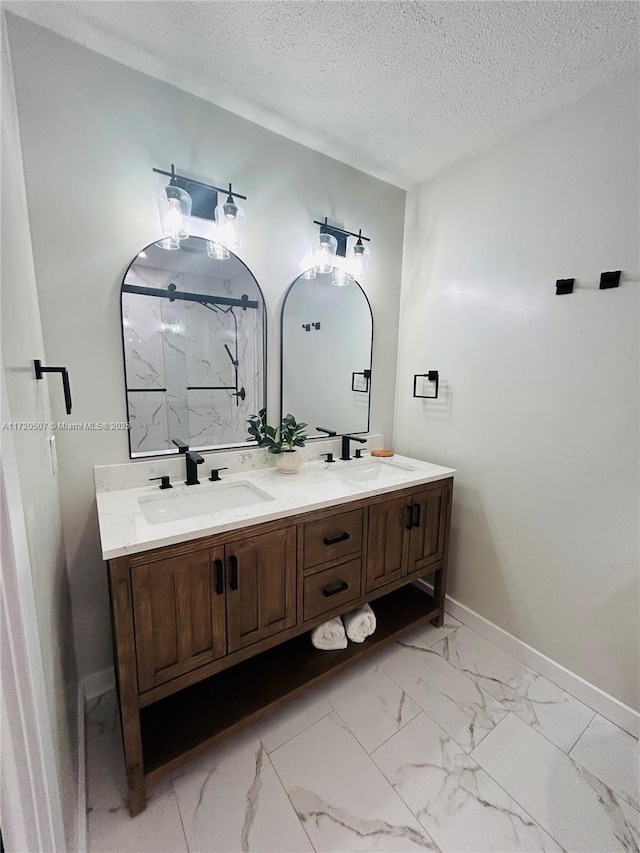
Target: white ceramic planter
288,461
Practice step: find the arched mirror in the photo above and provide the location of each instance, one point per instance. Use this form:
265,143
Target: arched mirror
327,339
193,333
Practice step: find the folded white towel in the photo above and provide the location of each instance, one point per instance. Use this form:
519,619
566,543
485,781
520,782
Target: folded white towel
360,623
329,635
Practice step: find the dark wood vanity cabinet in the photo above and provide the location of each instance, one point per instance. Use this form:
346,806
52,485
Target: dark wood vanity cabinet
179,616
406,534
261,587
210,634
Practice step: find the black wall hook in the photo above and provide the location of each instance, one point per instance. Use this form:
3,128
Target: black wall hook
610,279
564,285
66,387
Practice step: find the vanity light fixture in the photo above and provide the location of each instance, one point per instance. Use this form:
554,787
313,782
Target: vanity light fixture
230,219
174,207
329,254
358,258
184,197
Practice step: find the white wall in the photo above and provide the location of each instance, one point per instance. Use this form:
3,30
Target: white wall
33,501
91,131
539,410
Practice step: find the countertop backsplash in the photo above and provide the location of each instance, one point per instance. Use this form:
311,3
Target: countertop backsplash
138,472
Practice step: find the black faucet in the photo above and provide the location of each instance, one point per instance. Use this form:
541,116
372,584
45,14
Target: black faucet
181,445
193,459
345,445
329,432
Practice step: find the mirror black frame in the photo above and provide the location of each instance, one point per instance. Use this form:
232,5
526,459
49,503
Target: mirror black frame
169,452
284,303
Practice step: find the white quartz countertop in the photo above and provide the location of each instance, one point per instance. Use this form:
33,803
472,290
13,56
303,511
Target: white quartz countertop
317,485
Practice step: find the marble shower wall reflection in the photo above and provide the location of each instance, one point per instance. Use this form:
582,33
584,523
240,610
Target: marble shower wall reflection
180,354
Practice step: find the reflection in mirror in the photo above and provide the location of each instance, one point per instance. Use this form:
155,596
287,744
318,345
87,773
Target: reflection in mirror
327,338
193,332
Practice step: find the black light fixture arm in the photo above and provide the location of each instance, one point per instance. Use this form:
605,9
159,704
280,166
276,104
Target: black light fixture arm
332,228
175,178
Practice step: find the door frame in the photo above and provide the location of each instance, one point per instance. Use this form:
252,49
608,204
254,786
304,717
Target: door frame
31,809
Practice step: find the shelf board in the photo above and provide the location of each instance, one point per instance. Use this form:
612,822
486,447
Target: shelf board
185,724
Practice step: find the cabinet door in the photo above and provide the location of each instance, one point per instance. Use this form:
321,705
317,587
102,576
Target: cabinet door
179,613
261,587
427,536
387,543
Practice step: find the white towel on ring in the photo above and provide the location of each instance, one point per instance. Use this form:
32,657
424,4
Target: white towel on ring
359,624
329,635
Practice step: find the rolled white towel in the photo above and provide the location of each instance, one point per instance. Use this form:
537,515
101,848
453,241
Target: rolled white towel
359,624
329,635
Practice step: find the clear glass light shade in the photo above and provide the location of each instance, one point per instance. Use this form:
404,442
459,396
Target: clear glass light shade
230,219
358,261
169,243
217,251
324,252
174,207
341,277
308,265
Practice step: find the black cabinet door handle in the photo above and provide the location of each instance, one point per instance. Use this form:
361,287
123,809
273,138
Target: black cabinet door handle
409,524
233,562
335,539
219,576
328,591
416,516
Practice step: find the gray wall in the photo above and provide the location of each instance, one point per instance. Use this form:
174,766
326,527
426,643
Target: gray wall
92,130
539,410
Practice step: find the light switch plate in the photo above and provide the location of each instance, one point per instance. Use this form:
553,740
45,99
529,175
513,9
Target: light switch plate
54,455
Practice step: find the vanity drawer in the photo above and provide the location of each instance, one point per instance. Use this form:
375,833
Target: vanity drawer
332,538
331,588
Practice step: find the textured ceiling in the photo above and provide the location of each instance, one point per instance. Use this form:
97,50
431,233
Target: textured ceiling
397,89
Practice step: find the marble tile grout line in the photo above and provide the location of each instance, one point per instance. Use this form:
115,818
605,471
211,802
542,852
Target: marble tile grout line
304,729
471,755
594,712
510,795
502,788
284,787
575,743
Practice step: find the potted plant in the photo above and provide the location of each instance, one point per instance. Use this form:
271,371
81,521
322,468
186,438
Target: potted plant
282,442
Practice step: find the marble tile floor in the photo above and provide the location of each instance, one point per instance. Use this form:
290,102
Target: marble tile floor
440,742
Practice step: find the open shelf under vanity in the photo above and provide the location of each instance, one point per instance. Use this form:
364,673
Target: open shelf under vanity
185,724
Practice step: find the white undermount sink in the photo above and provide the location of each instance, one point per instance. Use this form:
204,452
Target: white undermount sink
371,470
222,496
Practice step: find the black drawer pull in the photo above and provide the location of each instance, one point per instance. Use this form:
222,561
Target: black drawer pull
233,583
335,539
409,524
416,517
219,576
328,591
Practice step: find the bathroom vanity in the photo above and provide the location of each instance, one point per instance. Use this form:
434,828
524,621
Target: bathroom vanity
211,614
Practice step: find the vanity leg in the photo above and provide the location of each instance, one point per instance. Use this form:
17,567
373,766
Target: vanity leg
440,579
127,680
439,594
133,761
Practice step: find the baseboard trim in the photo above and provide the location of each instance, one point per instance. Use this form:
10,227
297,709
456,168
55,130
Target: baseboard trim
99,683
608,706
81,824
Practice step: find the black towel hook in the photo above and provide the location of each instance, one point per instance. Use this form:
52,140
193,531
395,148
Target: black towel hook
40,371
